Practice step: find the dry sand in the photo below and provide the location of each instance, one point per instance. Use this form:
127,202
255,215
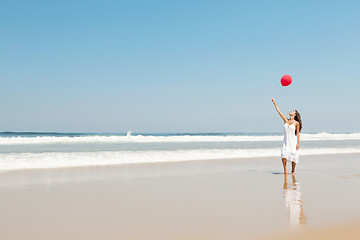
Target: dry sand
217,199
350,231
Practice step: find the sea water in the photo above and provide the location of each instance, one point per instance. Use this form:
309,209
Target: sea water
57,150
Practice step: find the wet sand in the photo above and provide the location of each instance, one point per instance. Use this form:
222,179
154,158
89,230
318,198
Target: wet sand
215,199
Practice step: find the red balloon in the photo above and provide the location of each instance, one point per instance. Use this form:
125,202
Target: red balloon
286,80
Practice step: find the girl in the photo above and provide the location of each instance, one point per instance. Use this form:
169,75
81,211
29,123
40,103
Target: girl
292,128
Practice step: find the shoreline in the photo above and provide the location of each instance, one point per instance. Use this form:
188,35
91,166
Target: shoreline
171,162
210,199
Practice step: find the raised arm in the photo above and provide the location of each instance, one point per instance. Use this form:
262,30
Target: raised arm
278,110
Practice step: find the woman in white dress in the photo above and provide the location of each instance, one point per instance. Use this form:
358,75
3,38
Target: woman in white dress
292,128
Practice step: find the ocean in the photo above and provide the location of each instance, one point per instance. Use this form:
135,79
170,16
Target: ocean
32,150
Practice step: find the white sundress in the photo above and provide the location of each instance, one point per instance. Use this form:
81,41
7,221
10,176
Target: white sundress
288,149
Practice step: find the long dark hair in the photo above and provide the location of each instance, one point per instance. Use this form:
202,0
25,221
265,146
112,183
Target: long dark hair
298,118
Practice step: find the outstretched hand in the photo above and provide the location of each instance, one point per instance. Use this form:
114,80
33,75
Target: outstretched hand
273,100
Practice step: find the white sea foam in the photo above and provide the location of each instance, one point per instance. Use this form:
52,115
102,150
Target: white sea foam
18,161
160,139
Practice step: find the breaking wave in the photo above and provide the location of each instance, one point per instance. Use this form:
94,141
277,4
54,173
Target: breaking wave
170,138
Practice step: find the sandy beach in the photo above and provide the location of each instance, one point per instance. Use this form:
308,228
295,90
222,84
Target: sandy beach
349,231
211,199
169,120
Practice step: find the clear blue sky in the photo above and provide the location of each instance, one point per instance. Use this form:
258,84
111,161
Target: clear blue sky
178,66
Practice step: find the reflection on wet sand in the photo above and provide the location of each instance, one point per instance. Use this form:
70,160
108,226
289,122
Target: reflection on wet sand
293,201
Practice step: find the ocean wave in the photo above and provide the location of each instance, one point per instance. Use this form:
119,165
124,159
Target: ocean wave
19,161
177,138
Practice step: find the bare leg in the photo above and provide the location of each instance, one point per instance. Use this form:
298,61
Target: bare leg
284,165
293,168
